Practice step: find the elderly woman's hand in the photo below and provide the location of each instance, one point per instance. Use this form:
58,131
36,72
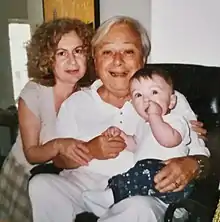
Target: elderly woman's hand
198,128
74,150
102,147
177,173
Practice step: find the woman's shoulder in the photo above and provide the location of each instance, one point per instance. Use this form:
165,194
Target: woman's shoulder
33,92
33,86
30,88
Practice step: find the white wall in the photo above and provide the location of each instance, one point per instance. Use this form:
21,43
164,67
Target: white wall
138,9
186,31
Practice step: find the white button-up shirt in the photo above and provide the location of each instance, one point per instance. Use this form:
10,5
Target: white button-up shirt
84,115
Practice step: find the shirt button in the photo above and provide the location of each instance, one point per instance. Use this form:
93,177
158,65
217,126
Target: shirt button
120,121
121,113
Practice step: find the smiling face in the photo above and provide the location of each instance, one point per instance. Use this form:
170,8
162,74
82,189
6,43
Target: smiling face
154,89
117,58
70,59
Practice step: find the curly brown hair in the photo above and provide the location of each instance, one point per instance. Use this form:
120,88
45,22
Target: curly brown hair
43,44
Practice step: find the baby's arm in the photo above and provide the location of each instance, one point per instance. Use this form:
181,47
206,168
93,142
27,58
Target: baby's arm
129,140
163,132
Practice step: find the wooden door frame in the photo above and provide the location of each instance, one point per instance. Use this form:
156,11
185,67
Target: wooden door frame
97,13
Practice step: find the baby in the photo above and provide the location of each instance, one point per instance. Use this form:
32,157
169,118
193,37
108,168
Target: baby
162,136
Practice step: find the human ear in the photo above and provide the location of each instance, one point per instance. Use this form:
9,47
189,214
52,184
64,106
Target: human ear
173,101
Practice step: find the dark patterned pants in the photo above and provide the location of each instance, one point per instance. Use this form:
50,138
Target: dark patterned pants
139,180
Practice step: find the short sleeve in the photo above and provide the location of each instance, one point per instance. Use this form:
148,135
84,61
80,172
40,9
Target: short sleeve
181,125
197,145
31,96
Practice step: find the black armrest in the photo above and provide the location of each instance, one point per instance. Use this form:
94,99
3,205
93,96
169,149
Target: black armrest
201,204
86,217
194,208
44,168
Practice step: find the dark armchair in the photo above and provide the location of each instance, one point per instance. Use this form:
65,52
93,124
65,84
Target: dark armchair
201,86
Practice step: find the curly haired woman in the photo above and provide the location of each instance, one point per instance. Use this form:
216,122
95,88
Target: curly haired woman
58,54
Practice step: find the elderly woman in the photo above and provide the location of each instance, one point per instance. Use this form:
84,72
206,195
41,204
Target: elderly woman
57,59
120,47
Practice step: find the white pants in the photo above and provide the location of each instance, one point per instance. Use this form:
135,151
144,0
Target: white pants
58,198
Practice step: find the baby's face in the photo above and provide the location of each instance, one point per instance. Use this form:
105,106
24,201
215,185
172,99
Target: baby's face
156,90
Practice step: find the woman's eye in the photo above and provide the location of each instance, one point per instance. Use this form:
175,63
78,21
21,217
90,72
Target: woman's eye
107,52
137,95
154,92
79,51
61,53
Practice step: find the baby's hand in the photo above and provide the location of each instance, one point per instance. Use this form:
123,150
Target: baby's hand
154,108
112,132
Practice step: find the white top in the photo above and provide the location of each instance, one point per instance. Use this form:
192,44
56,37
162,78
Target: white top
40,100
149,148
84,115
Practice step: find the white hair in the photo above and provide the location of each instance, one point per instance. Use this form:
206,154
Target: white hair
133,23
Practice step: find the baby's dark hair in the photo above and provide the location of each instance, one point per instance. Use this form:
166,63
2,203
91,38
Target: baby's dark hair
149,72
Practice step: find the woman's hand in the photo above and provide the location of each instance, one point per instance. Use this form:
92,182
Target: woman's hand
198,128
177,173
102,147
75,150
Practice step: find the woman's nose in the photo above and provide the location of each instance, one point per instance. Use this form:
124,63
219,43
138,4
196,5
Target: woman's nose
72,59
118,58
